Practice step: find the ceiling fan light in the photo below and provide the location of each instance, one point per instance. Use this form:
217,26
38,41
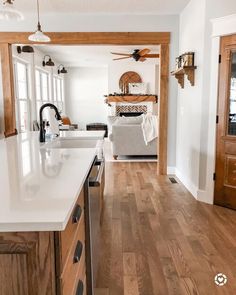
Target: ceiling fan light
8,12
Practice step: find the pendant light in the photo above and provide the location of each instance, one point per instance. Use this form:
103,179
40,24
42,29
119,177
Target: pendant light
8,12
38,35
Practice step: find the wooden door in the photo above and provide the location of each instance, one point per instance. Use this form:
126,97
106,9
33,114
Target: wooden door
225,182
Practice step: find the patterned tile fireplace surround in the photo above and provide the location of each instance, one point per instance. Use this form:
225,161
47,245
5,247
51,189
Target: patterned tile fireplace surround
131,109
118,108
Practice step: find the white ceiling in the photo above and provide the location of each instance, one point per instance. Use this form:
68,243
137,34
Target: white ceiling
104,6
72,56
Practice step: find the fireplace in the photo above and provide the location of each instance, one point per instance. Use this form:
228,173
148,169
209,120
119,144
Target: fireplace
130,114
131,110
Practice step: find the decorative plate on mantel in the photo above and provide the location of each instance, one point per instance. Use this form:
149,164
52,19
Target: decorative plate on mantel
126,78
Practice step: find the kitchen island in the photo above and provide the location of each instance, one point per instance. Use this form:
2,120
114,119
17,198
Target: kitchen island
42,217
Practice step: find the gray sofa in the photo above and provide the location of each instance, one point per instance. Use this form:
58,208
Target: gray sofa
127,140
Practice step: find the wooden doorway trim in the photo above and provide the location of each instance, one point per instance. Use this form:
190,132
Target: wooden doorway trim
225,161
8,90
92,38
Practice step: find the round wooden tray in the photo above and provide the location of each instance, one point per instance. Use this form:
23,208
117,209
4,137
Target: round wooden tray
126,78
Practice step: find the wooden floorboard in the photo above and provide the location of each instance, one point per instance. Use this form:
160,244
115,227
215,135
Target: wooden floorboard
156,239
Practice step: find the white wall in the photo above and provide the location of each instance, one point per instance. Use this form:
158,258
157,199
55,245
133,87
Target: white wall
85,88
195,111
192,27
115,23
147,73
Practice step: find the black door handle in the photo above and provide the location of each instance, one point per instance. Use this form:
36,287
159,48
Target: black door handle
78,252
77,214
80,288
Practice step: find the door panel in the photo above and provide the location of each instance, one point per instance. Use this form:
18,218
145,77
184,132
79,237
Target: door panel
225,185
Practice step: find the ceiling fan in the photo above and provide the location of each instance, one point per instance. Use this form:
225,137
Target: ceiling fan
137,55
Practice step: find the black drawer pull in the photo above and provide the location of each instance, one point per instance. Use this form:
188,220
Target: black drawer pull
78,252
77,214
80,288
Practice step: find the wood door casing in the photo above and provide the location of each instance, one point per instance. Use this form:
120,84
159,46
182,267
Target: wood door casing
8,90
97,38
225,182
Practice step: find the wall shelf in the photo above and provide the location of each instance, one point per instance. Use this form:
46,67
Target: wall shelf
181,72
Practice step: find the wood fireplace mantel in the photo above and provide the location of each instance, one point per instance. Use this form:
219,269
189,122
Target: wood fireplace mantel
131,98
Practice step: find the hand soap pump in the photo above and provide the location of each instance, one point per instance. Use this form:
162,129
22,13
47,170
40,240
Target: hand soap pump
47,135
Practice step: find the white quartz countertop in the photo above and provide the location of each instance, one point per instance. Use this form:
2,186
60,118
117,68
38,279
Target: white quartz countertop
82,134
39,187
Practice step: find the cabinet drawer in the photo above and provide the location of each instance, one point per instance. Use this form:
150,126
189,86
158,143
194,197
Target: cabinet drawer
75,264
68,235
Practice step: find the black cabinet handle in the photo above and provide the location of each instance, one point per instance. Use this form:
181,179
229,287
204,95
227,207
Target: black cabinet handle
95,182
77,214
80,288
78,252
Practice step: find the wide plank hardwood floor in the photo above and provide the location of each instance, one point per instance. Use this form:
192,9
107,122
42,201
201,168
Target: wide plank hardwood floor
158,240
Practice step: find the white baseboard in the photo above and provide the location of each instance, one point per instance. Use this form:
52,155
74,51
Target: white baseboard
205,197
187,183
170,170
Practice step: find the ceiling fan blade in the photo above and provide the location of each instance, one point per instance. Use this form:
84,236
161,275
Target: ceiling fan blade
123,54
151,55
142,59
121,58
144,51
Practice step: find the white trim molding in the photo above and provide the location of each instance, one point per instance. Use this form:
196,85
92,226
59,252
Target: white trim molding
170,170
223,26
187,183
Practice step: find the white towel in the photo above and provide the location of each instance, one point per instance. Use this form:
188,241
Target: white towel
149,127
54,124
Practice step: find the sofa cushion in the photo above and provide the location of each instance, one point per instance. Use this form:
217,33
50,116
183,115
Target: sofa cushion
129,120
112,119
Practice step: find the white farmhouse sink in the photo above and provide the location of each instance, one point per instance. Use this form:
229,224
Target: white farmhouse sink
63,143
76,143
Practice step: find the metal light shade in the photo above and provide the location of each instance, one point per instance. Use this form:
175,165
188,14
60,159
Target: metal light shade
50,63
63,70
8,12
39,36
26,49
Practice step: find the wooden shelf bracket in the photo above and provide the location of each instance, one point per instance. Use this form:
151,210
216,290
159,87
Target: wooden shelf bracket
180,79
188,71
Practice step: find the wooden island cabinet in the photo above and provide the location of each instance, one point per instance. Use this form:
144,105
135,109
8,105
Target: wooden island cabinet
45,262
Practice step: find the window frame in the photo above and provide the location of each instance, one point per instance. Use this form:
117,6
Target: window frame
41,101
18,99
60,103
